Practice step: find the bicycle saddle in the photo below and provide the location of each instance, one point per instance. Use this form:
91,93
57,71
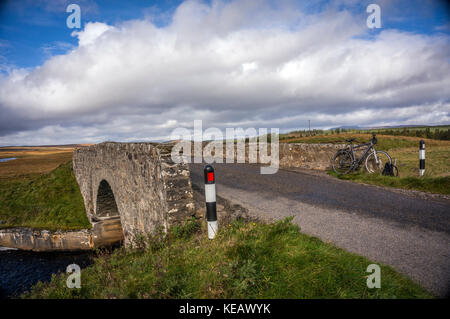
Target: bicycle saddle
350,140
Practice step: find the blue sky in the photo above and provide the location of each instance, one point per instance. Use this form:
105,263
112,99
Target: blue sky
31,30
136,70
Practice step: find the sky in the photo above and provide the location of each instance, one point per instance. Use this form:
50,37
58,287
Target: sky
138,70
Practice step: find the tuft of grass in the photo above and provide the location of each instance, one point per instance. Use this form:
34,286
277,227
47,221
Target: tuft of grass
245,260
185,231
49,201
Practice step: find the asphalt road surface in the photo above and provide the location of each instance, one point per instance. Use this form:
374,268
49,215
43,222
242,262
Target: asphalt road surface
409,232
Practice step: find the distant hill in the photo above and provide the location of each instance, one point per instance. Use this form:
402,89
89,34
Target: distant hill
348,127
357,127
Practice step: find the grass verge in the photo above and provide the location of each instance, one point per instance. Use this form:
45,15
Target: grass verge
48,201
246,260
437,185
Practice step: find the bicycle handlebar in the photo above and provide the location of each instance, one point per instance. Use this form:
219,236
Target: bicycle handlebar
374,140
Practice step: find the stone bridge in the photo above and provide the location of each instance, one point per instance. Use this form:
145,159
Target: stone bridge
132,189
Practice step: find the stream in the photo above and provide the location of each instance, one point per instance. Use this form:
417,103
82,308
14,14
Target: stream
19,270
7,159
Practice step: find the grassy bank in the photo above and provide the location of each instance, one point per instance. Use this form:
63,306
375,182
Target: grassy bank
49,201
246,260
437,185
405,150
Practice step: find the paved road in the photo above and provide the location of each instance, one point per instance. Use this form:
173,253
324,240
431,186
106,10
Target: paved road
411,234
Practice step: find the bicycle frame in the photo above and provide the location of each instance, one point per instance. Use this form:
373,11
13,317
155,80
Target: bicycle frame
357,162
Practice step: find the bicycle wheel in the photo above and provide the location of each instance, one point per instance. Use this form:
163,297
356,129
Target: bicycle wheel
376,164
342,162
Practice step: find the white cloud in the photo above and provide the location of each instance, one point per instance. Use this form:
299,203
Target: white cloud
91,33
231,63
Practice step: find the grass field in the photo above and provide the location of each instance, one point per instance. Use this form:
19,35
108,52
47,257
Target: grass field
409,128
32,161
441,132
39,190
406,150
246,260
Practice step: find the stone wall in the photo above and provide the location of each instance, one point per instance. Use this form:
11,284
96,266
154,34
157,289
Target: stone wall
311,156
302,155
150,191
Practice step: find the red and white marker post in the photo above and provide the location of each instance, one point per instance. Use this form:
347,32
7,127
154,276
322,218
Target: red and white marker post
210,196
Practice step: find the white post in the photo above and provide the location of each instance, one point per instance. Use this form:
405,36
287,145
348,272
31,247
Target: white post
421,157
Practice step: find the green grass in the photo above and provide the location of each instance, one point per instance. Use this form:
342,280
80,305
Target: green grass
49,201
409,128
384,142
246,260
438,185
441,132
437,161
434,132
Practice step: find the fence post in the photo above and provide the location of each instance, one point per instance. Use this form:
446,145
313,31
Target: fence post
210,197
421,157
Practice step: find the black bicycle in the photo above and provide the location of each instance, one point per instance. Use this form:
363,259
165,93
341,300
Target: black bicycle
345,160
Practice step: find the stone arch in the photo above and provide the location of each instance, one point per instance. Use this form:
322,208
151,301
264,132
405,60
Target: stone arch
106,205
106,219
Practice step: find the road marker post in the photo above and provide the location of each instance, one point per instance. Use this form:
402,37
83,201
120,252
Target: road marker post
421,157
210,198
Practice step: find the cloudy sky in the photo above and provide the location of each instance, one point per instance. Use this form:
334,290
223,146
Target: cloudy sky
136,70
